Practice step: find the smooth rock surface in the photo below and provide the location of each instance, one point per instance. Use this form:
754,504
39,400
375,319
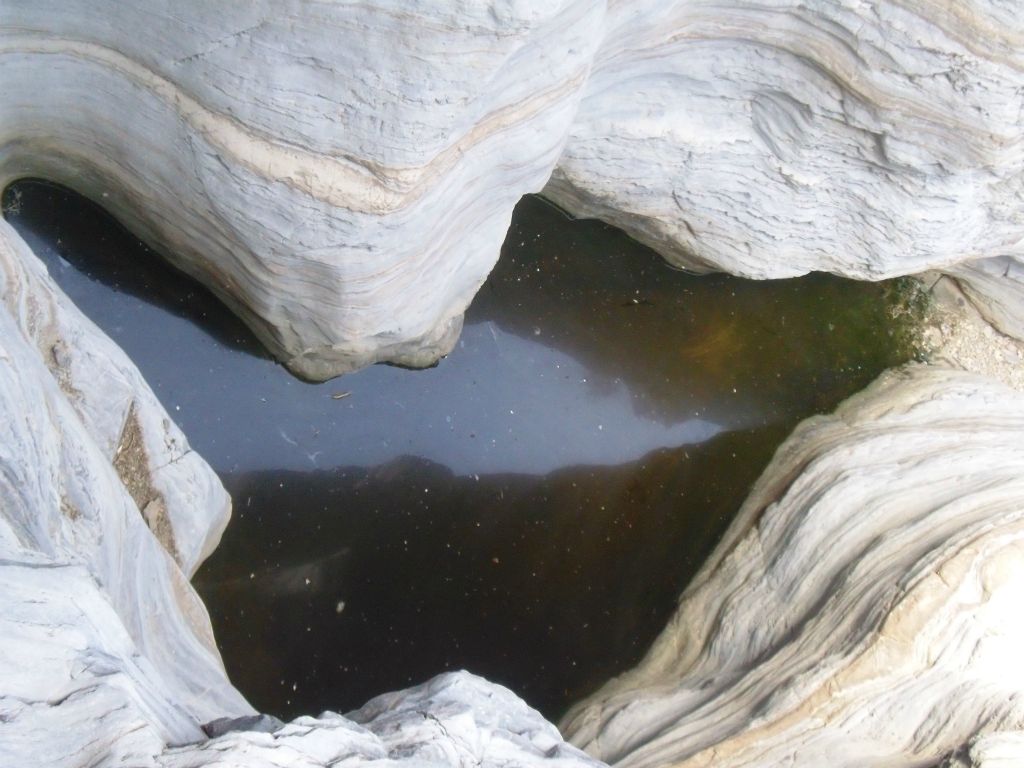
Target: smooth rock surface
105,513
996,287
531,508
863,609
769,139
342,175
899,648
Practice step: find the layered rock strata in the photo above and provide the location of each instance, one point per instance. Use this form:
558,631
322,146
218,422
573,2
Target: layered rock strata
863,607
105,514
768,139
342,175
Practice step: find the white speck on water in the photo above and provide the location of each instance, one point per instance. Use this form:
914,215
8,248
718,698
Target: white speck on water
340,606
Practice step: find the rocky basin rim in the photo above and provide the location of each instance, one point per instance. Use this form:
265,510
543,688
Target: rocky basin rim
343,176
678,451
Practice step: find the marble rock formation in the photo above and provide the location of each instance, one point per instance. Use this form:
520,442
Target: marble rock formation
106,652
996,287
863,608
768,139
104,514
342,175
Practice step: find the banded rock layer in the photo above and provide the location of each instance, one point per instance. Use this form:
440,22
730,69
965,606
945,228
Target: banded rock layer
863,607
769,139
343,175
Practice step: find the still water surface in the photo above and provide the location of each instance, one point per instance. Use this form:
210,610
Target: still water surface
530,508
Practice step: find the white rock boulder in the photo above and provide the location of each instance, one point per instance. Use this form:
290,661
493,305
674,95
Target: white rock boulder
769,139
342,175
863,608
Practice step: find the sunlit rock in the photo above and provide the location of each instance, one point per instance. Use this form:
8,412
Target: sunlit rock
343,175
105,514
864,606
769,139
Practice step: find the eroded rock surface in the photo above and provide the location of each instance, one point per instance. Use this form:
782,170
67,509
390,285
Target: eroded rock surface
99,620
862,609
342,175
769,139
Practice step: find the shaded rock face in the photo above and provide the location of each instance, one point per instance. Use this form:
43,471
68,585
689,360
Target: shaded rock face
996,287
342,176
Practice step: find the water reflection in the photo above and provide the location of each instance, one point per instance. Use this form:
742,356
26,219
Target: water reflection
530,508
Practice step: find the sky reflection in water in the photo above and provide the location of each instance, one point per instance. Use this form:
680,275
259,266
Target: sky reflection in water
530,508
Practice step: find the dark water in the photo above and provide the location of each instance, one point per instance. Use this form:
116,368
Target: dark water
530,508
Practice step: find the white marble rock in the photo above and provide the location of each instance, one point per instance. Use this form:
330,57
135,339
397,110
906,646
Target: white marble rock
342,175
768,139
996,287
862,609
